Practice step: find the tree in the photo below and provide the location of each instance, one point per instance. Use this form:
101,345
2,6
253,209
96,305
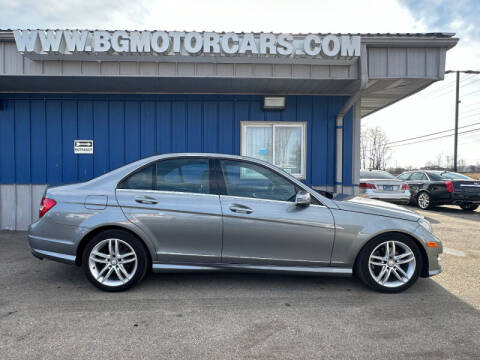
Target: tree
374,151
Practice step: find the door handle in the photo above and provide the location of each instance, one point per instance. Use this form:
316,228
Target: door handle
145,200
241,209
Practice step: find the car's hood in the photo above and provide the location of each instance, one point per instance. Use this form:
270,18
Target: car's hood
374,207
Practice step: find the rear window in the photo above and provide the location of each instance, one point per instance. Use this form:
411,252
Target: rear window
376,175
404,176
454,176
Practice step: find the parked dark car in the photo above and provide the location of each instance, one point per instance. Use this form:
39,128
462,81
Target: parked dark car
430,188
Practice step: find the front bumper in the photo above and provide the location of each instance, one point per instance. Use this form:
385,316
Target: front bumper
433,253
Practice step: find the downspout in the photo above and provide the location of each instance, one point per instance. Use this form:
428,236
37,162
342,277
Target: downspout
352,100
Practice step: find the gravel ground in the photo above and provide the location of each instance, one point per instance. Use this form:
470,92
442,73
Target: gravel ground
49,310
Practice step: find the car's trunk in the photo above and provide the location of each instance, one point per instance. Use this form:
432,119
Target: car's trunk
385,185
466,186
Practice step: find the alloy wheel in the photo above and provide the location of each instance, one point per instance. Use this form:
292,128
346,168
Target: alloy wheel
392,264
112,262
423,200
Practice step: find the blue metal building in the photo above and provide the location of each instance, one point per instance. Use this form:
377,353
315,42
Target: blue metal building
139,105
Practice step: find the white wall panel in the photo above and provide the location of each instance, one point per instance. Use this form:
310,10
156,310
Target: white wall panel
397,62
19,205
13,59
90,68
24,207
148,69
416,62
52,67
8,204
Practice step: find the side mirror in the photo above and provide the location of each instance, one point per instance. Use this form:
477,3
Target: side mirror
303,198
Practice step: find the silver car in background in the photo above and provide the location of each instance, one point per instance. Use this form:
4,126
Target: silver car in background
381,185
214,212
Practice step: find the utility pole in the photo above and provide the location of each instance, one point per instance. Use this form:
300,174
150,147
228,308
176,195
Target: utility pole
457,101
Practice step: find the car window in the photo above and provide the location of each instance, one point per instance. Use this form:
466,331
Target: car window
418,176
434,176
404,176
183,175
454,176
140,180
376,175
245,179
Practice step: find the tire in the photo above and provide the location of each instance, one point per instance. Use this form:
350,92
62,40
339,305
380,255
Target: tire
127,267
469,206
370,274
424,200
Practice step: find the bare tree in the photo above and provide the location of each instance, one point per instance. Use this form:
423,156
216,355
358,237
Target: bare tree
374,150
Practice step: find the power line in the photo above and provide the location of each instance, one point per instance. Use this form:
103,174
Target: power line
470,93
457,103
435,133
436,138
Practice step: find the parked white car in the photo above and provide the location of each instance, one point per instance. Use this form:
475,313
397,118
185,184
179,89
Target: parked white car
381,185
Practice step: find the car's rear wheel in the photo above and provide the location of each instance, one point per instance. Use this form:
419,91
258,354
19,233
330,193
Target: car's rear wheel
469,206
114,260
389,263
424,201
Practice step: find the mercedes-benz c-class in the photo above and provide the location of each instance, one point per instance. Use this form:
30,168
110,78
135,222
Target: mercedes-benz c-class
214,212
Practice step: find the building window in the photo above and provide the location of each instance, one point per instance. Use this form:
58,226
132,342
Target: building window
282,144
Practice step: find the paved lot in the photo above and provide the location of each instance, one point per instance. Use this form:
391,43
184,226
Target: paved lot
49,310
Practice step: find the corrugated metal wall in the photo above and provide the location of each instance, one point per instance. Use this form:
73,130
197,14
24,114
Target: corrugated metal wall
37,134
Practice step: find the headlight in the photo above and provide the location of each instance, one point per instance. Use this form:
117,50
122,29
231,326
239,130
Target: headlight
426,225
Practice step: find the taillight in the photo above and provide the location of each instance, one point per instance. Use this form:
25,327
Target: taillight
449,186
405,187
45,205
367,186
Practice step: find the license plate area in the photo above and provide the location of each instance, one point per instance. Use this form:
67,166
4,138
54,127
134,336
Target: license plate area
389,187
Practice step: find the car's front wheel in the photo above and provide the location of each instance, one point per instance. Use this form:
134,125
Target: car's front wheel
469,206
114,260
389,263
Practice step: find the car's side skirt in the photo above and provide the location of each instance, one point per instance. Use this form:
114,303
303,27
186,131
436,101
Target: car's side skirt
159,267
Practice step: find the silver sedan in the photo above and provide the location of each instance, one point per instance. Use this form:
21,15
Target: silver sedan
213,212
381,185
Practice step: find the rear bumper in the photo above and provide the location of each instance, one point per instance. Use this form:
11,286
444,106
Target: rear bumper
54,241
458,198
399,197
44,254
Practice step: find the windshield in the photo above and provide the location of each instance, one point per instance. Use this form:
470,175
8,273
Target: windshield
376,175
454,176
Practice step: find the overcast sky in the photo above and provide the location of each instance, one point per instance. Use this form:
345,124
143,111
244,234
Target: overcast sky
429,111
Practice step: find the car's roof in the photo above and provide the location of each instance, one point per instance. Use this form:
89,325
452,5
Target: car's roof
213,155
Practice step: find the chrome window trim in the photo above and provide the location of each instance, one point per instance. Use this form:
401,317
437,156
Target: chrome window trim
168,192
258,162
